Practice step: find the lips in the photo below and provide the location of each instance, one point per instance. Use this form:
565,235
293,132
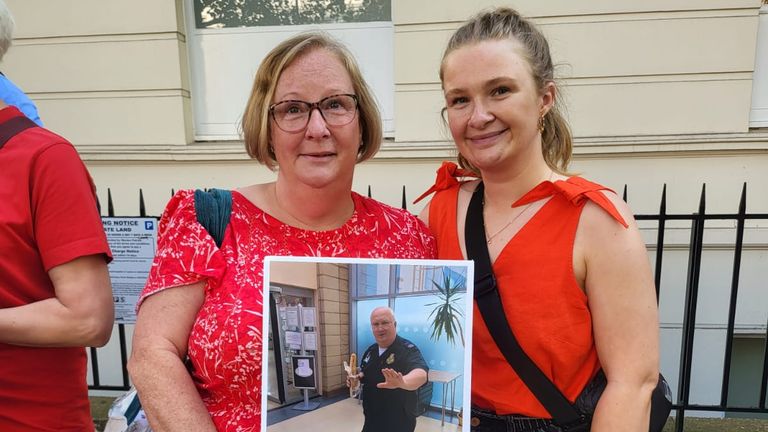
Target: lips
486,138
319,155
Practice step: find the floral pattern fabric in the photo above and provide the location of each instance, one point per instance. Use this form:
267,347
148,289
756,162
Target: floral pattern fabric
225,342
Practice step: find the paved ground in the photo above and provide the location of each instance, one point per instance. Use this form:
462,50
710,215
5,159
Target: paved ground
100,407
720,425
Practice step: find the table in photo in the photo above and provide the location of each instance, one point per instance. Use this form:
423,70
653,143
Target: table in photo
446,378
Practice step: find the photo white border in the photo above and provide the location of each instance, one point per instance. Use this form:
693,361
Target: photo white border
468,308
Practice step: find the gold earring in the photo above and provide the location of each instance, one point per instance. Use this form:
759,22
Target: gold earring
541,124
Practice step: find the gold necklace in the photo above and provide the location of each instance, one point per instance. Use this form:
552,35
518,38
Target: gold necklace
302,224
490,238
517,216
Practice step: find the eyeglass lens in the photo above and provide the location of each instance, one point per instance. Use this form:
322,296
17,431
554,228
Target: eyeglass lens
293,115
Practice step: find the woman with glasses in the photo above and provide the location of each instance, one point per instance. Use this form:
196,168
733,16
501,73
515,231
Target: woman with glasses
311,118
569,262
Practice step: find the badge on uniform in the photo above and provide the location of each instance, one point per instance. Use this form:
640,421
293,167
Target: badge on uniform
391,359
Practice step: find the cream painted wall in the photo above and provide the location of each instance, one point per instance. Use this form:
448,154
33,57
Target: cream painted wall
298,274
626,70
104,73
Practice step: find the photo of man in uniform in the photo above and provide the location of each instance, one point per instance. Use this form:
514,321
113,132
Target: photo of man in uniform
391,370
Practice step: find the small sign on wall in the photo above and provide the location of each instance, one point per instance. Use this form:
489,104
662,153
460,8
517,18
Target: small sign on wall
133,242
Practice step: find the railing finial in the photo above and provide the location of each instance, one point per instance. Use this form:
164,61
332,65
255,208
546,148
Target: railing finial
110,206
142,208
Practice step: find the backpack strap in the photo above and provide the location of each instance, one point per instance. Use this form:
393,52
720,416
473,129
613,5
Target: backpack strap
488,302
213,209
13,127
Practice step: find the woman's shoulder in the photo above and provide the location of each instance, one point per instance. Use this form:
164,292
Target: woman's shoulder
181,205
449,178
606,210
599,201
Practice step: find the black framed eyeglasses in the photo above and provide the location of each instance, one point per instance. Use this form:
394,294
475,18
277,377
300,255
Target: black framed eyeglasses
293,115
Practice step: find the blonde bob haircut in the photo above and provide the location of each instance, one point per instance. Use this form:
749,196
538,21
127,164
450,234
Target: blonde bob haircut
256,125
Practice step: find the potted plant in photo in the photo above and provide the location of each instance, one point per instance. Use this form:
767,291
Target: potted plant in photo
447,315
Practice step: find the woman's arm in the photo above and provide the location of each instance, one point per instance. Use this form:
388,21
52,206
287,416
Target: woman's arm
619,287
166,390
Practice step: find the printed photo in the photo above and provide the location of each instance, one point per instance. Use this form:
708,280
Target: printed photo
374,343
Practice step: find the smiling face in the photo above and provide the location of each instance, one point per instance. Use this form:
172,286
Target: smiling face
493,104
383,326
319,155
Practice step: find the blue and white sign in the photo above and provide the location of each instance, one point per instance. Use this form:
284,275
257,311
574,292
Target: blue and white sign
133,242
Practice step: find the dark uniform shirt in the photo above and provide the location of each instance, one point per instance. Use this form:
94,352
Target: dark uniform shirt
389,410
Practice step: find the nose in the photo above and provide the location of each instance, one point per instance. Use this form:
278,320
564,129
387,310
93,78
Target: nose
480,116
317,127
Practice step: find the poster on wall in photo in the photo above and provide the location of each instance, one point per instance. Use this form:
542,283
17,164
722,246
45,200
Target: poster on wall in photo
308,317
292,316
310,341
304,376
293,339
420,310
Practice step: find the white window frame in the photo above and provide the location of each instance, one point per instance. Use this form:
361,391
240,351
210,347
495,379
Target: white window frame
223,62
758,115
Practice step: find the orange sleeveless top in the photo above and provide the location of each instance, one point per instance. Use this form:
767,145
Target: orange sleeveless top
544,305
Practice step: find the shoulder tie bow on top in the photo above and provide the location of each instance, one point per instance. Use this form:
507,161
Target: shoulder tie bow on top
574,189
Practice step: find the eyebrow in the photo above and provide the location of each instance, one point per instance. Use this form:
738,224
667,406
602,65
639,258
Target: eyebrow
495,81
490,83
295,96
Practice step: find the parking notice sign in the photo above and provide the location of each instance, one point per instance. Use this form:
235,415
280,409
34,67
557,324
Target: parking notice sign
133,241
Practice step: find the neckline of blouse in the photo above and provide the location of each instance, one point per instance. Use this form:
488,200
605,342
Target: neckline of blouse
273,221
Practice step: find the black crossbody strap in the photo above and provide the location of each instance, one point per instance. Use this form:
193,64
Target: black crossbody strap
13,127
489,303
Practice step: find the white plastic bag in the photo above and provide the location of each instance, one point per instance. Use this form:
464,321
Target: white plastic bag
126,415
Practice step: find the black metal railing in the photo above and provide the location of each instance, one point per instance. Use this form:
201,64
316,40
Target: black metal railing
698,221
696,248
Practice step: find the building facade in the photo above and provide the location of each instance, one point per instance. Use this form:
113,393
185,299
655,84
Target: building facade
657,93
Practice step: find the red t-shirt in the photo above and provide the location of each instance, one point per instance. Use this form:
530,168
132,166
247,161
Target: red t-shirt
48,217
225,341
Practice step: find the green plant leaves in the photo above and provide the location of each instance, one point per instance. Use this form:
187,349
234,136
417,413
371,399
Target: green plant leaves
447,313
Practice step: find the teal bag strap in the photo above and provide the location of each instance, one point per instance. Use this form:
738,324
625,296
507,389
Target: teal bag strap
213,208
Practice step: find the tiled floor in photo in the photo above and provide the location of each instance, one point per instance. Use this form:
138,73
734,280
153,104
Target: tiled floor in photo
347,416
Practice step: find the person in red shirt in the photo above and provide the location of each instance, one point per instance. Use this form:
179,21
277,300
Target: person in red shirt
569,262
55,292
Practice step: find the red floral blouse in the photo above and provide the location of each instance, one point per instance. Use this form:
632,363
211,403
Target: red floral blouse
225,342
